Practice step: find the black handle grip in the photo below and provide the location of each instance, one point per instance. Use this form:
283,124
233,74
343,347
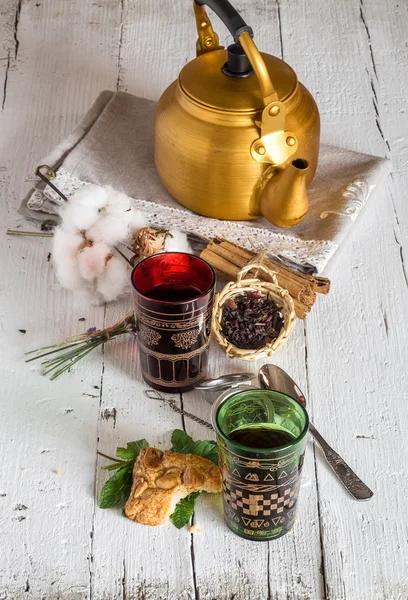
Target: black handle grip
227,13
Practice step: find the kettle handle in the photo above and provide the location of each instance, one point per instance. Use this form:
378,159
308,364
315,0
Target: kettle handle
242,34
275,145
254,56
229,16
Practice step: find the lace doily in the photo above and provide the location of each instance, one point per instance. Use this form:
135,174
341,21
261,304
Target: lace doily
313,252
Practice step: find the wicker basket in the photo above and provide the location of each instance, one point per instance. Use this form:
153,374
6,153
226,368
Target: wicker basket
272,291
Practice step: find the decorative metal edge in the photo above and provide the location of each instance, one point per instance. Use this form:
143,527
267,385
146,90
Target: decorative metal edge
182,314
174,357
179,324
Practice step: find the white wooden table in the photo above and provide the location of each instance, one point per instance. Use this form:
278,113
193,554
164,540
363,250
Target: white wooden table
350,356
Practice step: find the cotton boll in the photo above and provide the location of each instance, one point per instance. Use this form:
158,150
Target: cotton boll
68,275
64,252
114,280
137,220
117,204
93,222
83,209
103,213
110,228
65,243
94,196
115,219
177,242
91,260
118,201
78,218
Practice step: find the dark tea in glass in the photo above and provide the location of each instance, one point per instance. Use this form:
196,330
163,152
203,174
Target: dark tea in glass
261,436
173,296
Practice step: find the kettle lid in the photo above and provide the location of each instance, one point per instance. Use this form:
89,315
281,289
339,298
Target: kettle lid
204,80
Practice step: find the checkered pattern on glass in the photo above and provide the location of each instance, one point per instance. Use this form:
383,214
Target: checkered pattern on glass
260,504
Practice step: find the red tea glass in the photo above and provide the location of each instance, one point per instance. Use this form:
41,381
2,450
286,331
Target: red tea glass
173,296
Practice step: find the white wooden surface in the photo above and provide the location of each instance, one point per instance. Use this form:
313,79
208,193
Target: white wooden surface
350,356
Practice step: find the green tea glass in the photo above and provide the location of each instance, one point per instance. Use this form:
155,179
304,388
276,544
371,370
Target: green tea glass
260,484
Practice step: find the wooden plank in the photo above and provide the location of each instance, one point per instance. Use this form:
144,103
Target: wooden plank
358,405
324,43
131,560
9,19
355,349
155,45
66,54
385,28
45,430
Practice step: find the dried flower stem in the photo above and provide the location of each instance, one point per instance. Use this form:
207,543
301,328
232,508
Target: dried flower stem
29,233
109,457
74,348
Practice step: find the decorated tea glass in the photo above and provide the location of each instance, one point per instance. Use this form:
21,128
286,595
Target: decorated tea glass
260,483
173,297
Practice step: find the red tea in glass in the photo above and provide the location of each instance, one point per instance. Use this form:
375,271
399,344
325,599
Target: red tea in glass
173,296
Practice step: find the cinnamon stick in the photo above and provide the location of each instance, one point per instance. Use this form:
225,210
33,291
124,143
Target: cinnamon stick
300,291
234,248
301,309
219,263
319,284
231,256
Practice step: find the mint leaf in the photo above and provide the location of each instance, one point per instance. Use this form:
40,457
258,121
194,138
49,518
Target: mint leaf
131,452
118,465
181,442
183,511
207,449
116,490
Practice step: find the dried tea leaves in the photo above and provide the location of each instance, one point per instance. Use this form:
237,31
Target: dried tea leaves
250,321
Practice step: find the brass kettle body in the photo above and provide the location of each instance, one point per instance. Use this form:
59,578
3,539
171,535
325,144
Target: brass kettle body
230,123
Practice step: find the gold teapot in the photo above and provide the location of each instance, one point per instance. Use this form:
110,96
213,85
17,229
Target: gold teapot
230,124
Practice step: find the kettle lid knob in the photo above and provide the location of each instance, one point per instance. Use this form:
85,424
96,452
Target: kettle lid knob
237,65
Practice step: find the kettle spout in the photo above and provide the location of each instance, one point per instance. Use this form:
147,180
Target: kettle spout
284,201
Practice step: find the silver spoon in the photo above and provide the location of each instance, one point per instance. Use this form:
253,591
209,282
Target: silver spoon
275,378
224,382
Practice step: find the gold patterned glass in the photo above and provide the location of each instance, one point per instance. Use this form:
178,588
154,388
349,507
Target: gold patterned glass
173,296
260,484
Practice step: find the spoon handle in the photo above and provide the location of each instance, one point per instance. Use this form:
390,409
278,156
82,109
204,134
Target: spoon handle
348,478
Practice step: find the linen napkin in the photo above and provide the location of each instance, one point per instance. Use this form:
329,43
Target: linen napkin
113,145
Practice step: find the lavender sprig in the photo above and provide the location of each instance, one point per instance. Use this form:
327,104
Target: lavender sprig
72,349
